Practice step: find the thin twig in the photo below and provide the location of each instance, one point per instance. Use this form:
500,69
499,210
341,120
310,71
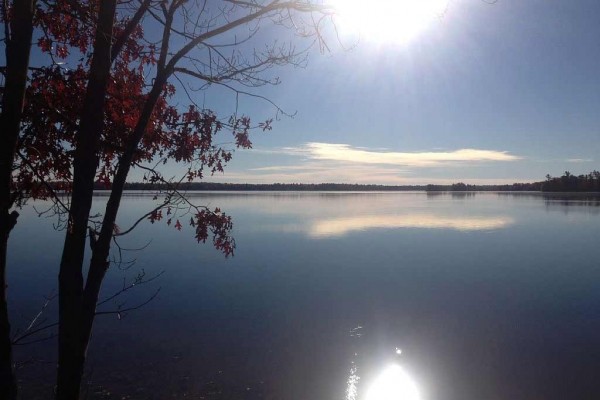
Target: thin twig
121,312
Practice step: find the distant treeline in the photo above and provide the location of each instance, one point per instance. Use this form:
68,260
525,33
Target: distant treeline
572,183
463,187
308,187
333,187
565,183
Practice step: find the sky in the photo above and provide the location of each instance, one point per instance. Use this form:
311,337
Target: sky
485,93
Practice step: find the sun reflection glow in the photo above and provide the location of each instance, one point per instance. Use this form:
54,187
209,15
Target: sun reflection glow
393,384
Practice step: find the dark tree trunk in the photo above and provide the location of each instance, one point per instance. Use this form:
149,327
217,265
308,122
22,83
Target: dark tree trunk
100,251
8,382
99,263
18,46
71,353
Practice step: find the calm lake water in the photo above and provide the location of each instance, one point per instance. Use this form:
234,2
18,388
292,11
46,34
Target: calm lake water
330,295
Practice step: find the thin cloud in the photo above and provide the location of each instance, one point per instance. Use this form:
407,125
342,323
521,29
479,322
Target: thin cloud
579,160
301,167
363,175
347,153
317,172
317,162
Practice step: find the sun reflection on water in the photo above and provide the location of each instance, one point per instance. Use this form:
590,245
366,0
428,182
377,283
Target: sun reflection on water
393,384
352,388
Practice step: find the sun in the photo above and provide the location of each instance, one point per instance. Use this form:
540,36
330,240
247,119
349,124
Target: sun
393,21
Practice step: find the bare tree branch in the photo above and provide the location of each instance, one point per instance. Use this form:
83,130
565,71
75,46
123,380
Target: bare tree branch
121,312
139,280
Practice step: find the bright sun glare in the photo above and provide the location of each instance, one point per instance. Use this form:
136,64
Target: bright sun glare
393,384
396,21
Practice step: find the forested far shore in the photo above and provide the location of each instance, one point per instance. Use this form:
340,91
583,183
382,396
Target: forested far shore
565,183
573,183
339,187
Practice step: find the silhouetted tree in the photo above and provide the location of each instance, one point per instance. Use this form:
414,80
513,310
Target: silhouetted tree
113,109
17,44
571,183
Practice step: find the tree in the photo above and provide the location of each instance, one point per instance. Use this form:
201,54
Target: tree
572,183
113,108
17,45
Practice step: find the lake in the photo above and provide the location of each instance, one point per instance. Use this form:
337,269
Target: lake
338,296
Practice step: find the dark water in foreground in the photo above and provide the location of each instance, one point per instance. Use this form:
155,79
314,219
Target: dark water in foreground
486,297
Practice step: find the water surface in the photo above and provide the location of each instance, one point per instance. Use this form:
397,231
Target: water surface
473,295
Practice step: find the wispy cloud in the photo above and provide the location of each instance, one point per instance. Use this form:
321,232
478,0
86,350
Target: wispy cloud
365,175
347,153
579,160
318,172
317,162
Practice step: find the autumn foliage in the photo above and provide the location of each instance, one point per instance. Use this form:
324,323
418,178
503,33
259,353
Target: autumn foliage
56,94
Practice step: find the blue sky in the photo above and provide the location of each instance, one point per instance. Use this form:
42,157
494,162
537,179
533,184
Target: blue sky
486,94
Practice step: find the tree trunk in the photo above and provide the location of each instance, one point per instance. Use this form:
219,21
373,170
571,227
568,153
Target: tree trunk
71,353
18,46
8,382
99,263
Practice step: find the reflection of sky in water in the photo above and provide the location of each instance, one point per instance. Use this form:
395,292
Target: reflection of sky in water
509,314
344,225
321,215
